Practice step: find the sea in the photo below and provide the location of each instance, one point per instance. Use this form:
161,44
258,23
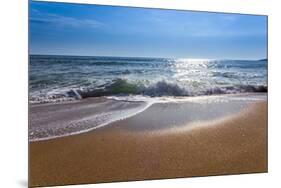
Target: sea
54,78
74,94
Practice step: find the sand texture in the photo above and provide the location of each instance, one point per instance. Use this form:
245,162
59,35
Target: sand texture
122,151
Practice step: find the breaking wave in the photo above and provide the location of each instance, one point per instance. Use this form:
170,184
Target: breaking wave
158,89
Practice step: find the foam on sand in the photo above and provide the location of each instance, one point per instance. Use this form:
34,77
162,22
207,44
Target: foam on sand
56,120
49,121
117,153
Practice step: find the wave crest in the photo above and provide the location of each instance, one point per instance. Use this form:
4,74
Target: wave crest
122,87
161,88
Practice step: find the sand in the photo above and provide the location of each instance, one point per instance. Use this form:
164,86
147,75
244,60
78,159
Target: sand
233,144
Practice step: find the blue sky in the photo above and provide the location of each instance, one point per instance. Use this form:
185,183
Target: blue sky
92,30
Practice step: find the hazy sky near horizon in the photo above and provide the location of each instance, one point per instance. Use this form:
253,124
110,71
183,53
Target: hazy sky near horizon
93,30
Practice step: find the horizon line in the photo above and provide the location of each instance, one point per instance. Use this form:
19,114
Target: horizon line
248,59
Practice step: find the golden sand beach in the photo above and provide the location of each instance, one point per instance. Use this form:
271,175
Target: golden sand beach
233,144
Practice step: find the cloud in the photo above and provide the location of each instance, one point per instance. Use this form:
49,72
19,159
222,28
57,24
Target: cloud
57,20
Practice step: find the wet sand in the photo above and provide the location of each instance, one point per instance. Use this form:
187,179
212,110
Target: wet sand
232,144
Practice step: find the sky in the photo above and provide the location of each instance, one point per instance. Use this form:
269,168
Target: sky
95,30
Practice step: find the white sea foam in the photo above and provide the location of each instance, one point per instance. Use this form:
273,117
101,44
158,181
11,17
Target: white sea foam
78,122
58,120
70,78
194,99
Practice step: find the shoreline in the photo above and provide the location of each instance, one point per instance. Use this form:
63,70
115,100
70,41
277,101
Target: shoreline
122,152
77,117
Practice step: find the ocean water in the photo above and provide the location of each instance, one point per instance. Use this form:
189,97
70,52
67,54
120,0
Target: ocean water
61,78
132,85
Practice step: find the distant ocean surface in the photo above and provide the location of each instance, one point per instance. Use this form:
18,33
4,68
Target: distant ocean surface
63,78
